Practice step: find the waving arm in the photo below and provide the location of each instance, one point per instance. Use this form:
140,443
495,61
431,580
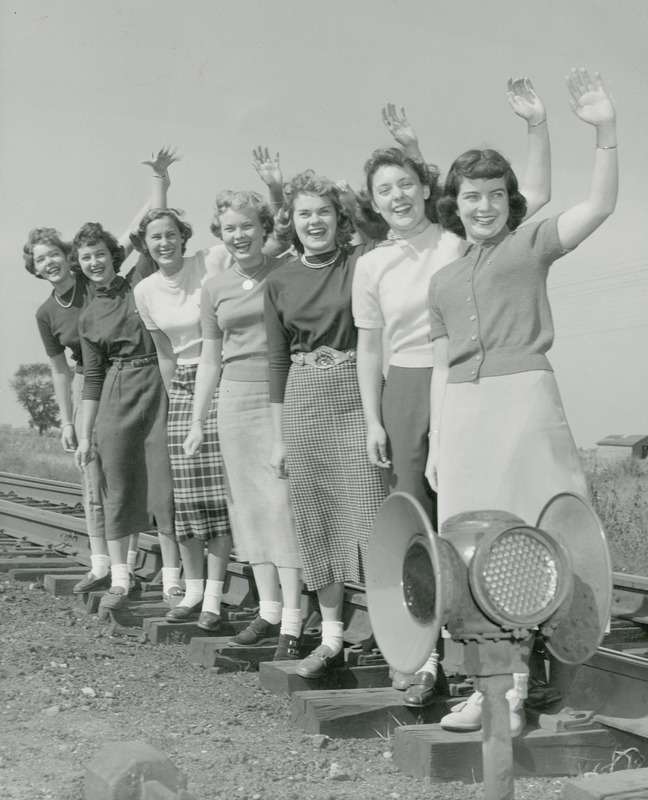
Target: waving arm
592,104
526,103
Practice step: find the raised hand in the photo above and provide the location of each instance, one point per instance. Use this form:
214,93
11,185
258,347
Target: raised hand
162,160
589,99
524,101
267,167
399,126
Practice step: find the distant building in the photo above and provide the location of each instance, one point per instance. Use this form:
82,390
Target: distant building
630,446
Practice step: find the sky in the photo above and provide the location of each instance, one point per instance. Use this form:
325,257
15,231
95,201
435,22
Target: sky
88,89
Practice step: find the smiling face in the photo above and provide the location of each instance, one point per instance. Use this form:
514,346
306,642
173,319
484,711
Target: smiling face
243,235
51,263
96,263
483,207
315,221
164,242
398,195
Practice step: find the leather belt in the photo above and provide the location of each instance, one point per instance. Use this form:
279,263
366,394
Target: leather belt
133,361
323,358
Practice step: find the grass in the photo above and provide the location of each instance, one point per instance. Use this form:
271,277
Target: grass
619,489
24,452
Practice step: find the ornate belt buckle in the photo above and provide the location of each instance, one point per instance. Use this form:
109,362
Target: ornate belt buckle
324,358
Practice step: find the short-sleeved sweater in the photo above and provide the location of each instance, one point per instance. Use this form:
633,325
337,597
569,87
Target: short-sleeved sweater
390,290
110,328
58,326
230,313
172,304
305,309
492,303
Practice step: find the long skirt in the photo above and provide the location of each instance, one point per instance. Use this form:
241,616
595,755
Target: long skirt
264,528
406,417
505,444
199,487
132,443
93,481
335,491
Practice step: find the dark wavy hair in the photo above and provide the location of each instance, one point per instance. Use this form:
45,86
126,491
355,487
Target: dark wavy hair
138,237
37,236
475,164
428,175
309,183
238,201
93,233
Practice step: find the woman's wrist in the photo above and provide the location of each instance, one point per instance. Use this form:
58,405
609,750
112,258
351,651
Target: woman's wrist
197,421
67,425
539,122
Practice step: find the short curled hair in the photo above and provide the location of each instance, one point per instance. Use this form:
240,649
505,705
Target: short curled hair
473,165
38,236
428,175
309,183
238,201
93,233
138,237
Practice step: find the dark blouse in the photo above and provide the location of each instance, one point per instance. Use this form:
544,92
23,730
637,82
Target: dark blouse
58,326
306,308
110,328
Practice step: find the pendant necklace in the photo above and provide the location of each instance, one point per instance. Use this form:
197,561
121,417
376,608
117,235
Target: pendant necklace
248,283
306,263
61,303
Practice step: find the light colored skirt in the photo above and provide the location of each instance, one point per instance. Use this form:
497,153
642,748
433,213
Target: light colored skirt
505,444
199,489
263,523
335,491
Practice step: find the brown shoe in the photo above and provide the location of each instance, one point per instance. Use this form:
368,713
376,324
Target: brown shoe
424,688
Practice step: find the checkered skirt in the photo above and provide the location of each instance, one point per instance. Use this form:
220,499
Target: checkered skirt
335,491
199,486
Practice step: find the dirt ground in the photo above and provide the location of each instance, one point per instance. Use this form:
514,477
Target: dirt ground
70,685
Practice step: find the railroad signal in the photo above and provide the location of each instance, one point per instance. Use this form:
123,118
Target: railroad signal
494,582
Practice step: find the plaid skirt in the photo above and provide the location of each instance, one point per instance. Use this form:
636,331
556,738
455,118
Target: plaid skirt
199,486
335,491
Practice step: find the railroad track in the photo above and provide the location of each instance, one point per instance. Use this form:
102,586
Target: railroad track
48,514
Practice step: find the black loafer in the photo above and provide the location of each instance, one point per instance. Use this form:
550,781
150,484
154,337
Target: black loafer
91,584
424,688
319,662
182,613
214,623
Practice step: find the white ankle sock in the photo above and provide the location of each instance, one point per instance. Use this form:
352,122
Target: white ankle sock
270,611
119,576
432,664
100,566
213,596
291,622
170,577
332,635
131,560
194,590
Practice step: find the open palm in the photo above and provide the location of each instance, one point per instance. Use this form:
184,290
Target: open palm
588,98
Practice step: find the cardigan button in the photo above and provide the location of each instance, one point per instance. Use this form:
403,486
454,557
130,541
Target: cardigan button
473,318
477,358
469,299
474,337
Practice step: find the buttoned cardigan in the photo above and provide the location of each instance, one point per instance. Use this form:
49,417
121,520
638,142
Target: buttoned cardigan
492,303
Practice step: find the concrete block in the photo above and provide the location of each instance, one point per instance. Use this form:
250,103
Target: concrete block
121,769
631,784
154,790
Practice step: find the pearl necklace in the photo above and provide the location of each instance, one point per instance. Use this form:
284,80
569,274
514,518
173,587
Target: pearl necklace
304,260
61,303
248,283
